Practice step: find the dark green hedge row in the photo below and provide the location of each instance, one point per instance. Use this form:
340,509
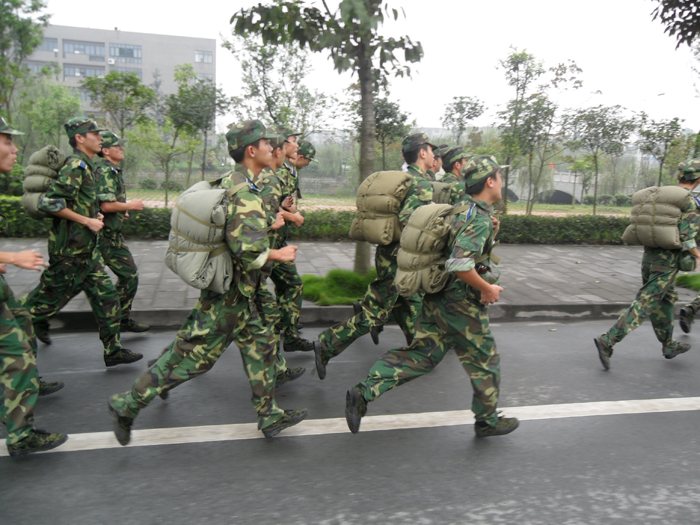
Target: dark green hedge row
330,225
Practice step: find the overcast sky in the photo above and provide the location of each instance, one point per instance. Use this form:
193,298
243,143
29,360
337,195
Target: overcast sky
624,55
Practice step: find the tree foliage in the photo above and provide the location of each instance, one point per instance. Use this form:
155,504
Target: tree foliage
656,138
459,114
681,18
21,32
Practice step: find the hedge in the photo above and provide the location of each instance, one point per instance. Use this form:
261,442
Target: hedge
331,225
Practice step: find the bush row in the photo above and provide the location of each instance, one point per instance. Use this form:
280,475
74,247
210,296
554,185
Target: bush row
330,225
619,199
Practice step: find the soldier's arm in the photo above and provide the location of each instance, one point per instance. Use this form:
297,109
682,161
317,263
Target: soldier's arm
27,259
107,193
247,230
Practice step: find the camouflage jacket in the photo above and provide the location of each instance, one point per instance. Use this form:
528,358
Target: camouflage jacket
457,187
75,189
246,230
689,227
430,176
419,193
288,175
110,188
270,186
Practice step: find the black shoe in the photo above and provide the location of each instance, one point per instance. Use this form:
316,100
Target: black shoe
505,425
289,419
123,356
686,319
289,375
604,352
300,326
41,330
374,333
318,358
299,345
356,308
355,409
37,441
122,425
675,348
129,325
49,388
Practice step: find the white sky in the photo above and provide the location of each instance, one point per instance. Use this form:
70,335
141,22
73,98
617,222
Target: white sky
622,52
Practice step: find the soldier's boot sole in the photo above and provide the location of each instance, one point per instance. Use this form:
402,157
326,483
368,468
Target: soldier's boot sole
604,356
318,360
686,320
50,445
294,418
122,426
46,389
353,415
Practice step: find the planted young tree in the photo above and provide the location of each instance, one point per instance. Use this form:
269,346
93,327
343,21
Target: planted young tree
600,130
122,96
460,113
656,138
351,35
21,32
581,168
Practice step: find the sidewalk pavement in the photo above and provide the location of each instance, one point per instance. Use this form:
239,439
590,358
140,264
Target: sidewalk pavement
541,282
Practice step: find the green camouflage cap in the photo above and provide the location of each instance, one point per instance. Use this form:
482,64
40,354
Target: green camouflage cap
452,155
689,170
480,167
80,126
110,139
414,141
279,138
288,132
245,133
307,150
7,129
437,152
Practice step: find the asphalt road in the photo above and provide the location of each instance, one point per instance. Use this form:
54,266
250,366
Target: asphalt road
634,468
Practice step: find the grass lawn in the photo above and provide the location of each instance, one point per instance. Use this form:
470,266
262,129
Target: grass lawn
689,280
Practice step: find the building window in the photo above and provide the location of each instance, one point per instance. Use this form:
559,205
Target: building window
205,76
48,44
204,57
35,67
96,50
83,95
135,70
125,53
70,71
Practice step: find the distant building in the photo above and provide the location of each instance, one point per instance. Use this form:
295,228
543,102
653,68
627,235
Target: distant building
82,52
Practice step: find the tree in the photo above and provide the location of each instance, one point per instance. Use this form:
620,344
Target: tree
197,104
122,96
600,130
584,168
681,18
351,35
656,138
459,113
21,32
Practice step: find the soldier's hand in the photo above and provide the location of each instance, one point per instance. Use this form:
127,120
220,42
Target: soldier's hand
491,294
288,204
299,219
136,204
496,224
29,260
279,221
95,224
3,268
697,263
286,254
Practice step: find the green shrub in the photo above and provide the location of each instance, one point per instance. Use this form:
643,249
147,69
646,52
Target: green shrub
689,280
148,184
173,185
149,223
11,183
337,287
323,225
623,200
605,200
18,224
575,229
588,200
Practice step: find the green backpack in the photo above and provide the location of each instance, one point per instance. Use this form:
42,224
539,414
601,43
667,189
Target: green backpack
42,168
656,212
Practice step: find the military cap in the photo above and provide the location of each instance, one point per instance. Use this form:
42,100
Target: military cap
110,139
80,126
307,150
279,138
480,167
414,141
7,129
689,170
288,132
245,133
452,155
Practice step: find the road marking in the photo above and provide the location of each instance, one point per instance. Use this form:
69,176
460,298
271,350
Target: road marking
317,427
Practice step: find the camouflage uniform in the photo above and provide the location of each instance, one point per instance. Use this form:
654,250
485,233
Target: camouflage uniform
75,262
288,284
657,296
111,188
382,300
452,318
457,187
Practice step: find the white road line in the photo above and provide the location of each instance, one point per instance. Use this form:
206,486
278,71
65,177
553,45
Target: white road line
317,427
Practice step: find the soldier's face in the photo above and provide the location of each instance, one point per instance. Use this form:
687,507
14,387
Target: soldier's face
91,141
302,162
263,154
291,147
116,153
8,153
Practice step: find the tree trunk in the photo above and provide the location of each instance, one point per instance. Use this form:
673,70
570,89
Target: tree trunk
506,176
367,138
204,155
661,169
189,169
383,155
595,184
573,192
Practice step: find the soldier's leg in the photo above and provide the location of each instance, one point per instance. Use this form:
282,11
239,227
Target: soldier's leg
104,301
657,281
270,316
58,284
18,376
119,259
398,366
289,292
405,313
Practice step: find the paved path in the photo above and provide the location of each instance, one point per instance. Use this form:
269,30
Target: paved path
540,281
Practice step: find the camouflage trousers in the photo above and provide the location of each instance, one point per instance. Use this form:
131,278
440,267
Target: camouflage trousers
380,304
289,291
118,258
19,380
214,323
270,316
64,279
655,299
449,319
